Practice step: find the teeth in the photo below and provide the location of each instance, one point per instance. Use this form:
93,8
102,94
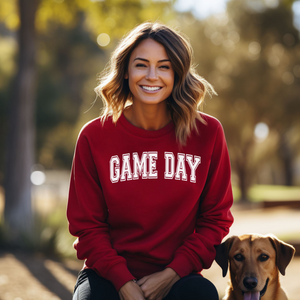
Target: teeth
151,88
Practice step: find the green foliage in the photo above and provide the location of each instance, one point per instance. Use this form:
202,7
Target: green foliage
49,235
9,14
65,64
114,17
258,193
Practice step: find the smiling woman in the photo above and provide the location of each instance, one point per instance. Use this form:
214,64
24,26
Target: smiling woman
150,190
154,51
151,79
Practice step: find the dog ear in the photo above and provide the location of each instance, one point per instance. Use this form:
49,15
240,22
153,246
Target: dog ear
222,254
284,253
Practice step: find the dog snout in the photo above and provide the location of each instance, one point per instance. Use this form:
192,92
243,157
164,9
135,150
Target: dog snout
250,283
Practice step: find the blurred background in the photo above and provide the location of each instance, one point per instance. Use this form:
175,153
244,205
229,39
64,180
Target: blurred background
50,54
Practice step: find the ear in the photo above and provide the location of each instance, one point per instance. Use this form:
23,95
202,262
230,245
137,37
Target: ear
284,253
126,75
222,254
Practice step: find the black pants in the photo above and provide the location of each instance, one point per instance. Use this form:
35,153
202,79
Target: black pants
90,286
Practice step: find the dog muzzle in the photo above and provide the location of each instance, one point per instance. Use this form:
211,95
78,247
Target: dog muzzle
256,295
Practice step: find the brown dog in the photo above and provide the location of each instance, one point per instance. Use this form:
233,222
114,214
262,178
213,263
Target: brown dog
255,262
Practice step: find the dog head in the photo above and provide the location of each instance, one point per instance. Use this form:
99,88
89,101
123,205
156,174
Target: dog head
254,262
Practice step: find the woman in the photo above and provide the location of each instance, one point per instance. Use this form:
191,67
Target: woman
150,188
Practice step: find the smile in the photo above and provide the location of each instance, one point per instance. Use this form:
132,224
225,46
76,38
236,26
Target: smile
256,295
151,88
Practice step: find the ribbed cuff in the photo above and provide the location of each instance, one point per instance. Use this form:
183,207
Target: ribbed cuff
118,275
181,265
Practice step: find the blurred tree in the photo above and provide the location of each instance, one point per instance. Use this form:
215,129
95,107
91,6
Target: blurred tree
266,80
251,56
21,129
72,26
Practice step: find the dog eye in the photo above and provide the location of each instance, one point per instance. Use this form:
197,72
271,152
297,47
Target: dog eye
239,257
263,257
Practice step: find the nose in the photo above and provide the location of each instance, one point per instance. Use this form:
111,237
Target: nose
151,75
250,283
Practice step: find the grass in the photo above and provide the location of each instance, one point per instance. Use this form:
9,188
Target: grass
50,236
54,234
259,193
274,192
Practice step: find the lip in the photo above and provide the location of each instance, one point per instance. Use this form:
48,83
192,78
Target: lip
151,86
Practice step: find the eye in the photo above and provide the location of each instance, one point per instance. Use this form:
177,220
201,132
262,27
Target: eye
165,67
140,65
239,257
263,257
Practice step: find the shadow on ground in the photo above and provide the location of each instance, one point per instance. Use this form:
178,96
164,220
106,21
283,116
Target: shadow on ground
46,278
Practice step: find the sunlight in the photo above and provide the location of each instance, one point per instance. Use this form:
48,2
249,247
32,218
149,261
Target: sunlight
103,39
37,177
261,131
201,8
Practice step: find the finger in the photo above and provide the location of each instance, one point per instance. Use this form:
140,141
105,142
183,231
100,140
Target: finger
142,280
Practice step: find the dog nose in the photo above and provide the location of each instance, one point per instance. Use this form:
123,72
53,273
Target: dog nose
250,283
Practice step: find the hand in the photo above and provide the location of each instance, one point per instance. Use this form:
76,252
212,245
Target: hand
157,285
131,291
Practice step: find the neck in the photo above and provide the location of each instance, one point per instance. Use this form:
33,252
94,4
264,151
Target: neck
147,116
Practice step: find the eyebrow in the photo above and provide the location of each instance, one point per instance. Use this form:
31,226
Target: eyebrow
143,59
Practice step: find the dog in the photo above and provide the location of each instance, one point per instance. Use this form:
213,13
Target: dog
255,262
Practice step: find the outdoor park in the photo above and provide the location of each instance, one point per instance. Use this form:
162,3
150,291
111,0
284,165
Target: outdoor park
51,52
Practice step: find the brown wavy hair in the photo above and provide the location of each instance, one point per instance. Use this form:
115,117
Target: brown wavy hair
189,88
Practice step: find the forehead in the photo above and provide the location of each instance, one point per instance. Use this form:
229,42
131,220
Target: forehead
252,243
149,49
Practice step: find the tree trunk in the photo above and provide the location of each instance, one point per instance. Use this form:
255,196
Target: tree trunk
243,184
21,130
286,155
243,170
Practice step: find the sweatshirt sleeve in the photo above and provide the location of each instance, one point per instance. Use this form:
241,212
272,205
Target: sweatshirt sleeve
214,217
87,213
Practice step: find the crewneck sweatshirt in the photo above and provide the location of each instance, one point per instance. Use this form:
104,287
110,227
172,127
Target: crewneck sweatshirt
139,202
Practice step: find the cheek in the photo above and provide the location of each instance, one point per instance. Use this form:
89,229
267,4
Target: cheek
171,78
133,78
236,269
170,82
134,74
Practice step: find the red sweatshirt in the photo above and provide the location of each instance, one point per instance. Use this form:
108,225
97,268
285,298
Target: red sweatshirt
138,202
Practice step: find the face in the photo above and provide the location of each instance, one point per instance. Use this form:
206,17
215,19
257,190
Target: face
253,259
150,74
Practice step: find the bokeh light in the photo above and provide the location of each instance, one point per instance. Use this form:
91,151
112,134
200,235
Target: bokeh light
38,177
288,78
217,38
103,39
254,48
261,131
233,36
296,70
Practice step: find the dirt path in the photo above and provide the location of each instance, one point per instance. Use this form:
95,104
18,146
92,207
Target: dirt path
28,277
